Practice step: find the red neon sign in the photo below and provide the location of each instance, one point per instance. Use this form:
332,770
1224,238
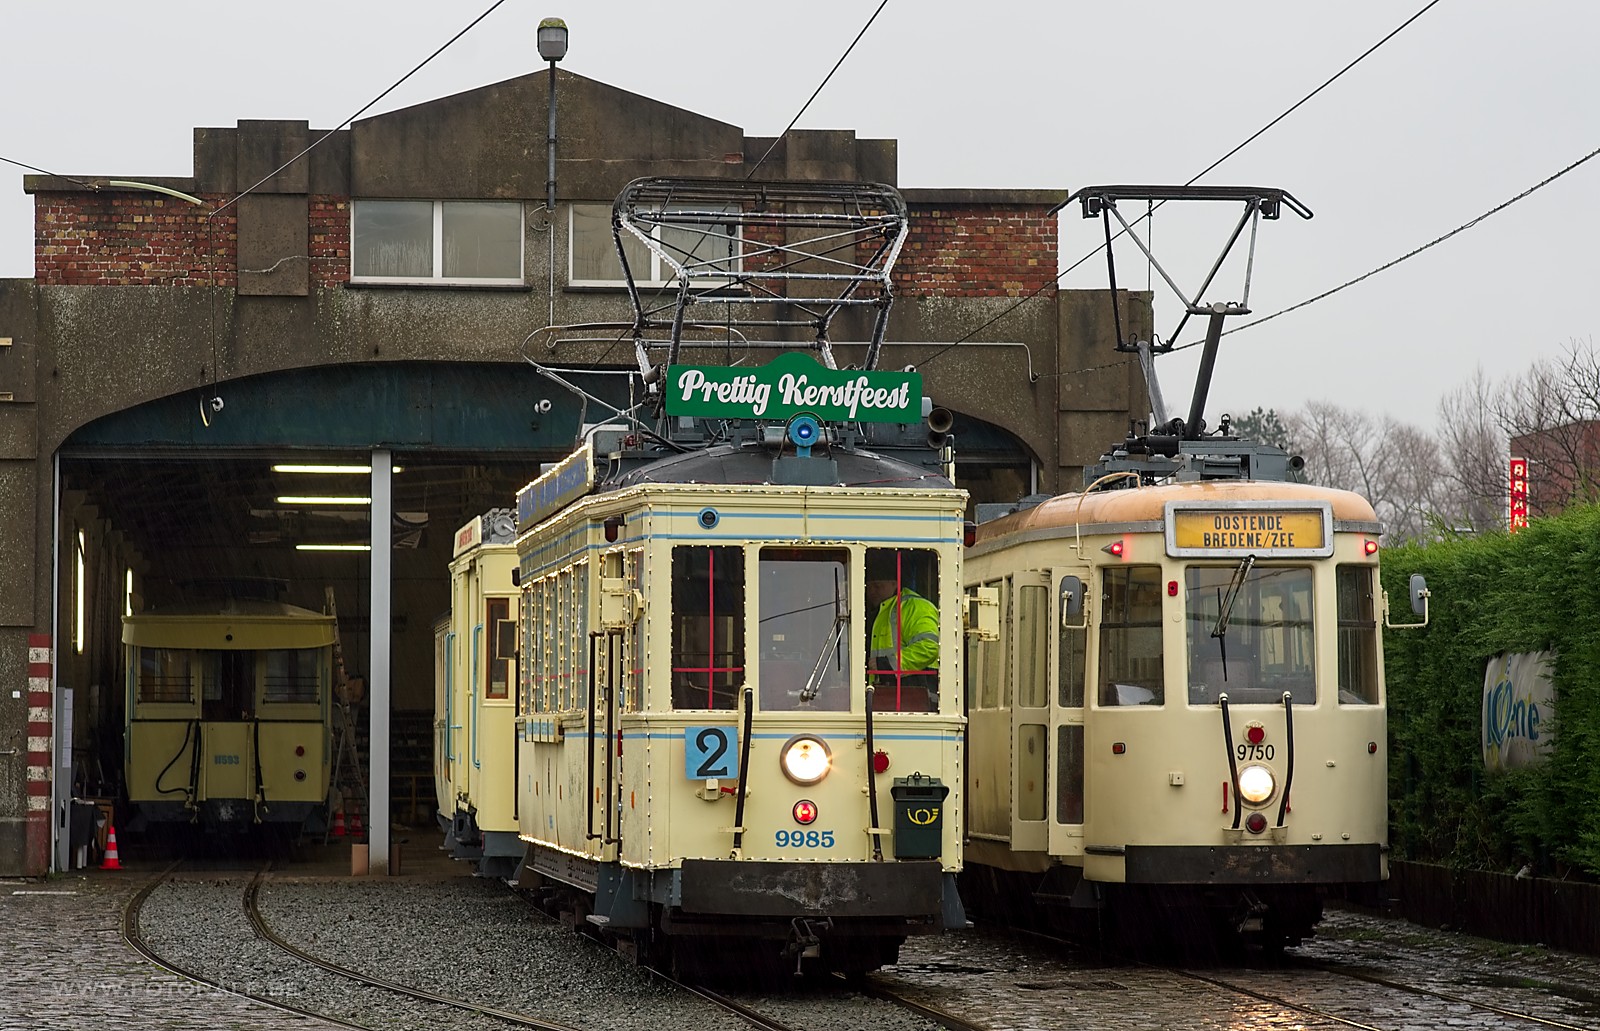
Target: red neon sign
1519,494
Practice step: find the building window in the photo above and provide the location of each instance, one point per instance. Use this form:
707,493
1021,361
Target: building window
593,256
466,242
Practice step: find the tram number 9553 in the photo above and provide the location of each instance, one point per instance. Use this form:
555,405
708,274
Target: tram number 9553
1258,753
805,839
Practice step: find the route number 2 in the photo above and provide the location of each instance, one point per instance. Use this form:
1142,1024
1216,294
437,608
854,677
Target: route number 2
709,752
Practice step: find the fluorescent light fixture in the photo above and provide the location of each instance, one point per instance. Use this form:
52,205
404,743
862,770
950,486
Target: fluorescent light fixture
333,547
335,469
295,499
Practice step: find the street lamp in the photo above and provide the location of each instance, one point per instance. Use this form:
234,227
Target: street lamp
552,47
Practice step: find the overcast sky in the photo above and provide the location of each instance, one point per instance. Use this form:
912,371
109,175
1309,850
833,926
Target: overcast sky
1473,103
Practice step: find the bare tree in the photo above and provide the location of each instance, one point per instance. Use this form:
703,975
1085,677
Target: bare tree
1473,446
1390,463
1551,415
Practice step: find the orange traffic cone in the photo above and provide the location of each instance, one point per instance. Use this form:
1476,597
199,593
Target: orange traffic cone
355,823
338,823
110,862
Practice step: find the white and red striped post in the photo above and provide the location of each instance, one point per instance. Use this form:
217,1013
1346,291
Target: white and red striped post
41,733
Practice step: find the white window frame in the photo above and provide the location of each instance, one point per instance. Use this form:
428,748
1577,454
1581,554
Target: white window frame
438,278
655,261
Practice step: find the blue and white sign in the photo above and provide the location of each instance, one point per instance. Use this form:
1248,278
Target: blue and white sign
1518,704
557,487
710,753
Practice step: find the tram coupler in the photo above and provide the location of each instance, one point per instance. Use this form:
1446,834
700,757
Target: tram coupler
804,943
1253,915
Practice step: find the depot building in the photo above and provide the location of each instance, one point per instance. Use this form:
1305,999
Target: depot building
368,303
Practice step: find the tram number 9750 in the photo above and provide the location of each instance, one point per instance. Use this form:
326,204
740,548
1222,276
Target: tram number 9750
805,839
1257,753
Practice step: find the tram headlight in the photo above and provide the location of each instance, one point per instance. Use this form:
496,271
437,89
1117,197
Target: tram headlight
805,759
1256,784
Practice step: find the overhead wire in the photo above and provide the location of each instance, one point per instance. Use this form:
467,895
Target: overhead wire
772,147
1541,184
1192,180
211,248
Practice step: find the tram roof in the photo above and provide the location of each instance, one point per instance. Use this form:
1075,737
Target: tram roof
1148,504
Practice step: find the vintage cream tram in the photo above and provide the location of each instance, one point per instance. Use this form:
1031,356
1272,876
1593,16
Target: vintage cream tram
712,745
474,739
228,714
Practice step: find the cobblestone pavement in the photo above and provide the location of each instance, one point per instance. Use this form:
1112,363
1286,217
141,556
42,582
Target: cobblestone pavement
1008,985
65,967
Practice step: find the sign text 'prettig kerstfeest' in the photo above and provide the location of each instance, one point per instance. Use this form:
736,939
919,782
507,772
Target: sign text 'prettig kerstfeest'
791,384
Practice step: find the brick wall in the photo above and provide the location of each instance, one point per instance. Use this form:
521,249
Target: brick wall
329,240
978,251
137,239
131,239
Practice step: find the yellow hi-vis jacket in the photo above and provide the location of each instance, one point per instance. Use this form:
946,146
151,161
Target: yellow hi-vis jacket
917,632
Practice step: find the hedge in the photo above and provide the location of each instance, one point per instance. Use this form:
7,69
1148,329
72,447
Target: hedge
1536,590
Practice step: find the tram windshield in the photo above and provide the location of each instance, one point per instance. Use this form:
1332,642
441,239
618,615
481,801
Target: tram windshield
805,629
1251,633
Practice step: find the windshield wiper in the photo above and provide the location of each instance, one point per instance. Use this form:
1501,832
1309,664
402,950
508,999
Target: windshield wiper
1225,609
841,619
1225,604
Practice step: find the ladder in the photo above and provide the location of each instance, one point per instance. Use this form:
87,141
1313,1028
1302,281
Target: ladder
347,785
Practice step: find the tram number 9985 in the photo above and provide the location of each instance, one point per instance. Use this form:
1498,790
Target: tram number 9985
1258,753
805,839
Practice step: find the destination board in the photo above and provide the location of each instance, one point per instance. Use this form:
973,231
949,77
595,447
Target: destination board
1261,529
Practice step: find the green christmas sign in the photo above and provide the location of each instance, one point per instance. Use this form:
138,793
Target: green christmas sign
791,384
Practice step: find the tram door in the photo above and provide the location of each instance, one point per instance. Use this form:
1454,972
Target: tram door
1070,632
1031,647
608,659
227,705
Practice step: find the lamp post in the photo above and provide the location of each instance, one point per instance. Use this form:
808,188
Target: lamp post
552,47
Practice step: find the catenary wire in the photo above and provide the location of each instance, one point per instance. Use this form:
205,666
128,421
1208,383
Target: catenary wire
1541,184
1409,254
211,216
1195,178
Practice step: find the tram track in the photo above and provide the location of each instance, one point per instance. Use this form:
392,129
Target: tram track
1295,964
136,938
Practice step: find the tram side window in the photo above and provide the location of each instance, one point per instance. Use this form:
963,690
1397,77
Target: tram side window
497,671
293,675
1033,648
708,613
988,669
804,629
580,635
902,628
1131,668
1358,636
164,675
633,640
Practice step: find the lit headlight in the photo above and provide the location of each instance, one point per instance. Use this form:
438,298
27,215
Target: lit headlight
805,759
1256,784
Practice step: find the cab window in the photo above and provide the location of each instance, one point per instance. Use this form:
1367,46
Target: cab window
708,614
1358,636
901,628
804,629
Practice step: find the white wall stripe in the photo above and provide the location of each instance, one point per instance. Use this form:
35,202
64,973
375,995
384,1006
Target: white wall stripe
39,803
39,714
38,654
38,744
39,684
38,773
